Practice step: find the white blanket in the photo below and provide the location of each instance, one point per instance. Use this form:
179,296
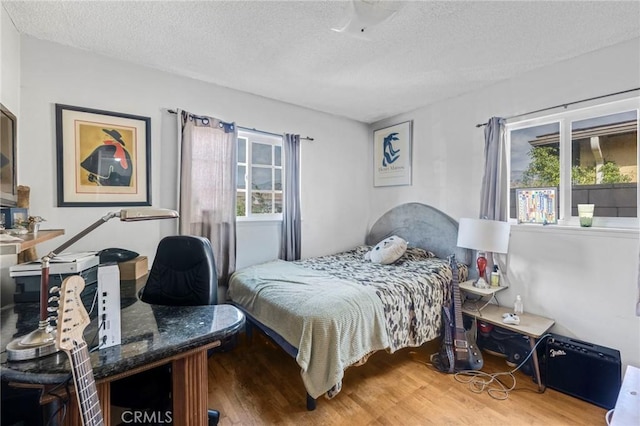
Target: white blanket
333,322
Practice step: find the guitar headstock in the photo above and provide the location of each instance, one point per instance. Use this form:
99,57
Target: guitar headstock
72,316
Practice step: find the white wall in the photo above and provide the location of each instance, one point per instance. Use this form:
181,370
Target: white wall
584,279
10,98
52,73
10,64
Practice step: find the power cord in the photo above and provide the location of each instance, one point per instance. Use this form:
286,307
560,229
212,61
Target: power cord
64,401
608,416
102,323
480,381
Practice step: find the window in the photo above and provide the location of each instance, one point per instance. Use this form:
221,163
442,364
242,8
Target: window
589,155
260,175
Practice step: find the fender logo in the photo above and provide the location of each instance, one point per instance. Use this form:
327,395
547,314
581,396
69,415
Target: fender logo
554,353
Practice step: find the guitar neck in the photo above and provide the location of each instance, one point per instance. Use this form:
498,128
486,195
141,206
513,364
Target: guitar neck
85,384
457,300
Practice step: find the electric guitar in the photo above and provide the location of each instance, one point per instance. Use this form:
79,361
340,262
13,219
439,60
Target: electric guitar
72,320
459,350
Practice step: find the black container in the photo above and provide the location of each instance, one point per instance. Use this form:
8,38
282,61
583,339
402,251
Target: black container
28,287
584,370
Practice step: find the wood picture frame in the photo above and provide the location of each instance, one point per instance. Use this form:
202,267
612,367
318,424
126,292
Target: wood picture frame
392,155
104,158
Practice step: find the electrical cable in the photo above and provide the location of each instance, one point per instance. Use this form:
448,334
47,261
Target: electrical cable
480,381
608,415
64,401
93,339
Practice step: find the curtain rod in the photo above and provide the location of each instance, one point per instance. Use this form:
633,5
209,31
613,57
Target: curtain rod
565,105
306,138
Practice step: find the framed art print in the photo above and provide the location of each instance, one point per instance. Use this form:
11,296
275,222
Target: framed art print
392,155
8,185
104,158
537,205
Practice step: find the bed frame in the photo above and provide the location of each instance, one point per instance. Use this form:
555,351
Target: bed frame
420,225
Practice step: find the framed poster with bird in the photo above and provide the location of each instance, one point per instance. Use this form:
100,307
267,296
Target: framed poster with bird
104,158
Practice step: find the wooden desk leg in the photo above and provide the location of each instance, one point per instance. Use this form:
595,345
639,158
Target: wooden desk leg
73,417
104,396
190,390
536,365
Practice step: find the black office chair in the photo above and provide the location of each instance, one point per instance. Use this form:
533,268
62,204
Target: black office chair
183,274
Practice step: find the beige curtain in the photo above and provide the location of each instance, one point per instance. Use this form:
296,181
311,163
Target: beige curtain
207,189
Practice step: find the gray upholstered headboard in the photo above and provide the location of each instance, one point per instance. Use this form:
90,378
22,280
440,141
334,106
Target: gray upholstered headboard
421,226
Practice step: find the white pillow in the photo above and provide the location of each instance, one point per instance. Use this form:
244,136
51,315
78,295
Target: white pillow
387,251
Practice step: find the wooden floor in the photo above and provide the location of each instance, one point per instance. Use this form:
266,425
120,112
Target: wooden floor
259,384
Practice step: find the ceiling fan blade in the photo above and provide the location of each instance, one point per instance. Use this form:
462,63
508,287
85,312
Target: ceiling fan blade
364,14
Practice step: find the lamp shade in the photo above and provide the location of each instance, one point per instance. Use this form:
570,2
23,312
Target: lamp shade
146,213
484,235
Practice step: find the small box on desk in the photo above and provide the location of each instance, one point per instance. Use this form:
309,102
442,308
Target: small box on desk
11,216
134,268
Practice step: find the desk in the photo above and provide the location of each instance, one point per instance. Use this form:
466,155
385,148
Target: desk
532,326
12,253
30,240
627,410
152,335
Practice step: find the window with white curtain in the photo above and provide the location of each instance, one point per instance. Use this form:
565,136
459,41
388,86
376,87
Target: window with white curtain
589,155
260,176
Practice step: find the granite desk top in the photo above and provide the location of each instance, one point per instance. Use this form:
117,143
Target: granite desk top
149,333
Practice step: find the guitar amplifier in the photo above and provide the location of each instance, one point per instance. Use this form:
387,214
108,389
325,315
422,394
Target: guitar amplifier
583,370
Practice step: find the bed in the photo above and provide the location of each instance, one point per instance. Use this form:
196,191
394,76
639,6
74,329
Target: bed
332,312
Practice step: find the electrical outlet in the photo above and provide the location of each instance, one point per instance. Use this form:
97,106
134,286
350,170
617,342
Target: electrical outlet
109,305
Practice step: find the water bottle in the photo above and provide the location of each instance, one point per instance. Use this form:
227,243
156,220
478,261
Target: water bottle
518,308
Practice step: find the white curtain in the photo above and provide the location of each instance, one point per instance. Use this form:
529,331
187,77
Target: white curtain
291,238
495,182
207,189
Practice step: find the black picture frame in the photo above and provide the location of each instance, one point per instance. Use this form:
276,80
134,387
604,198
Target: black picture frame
103,157
8,158
392,155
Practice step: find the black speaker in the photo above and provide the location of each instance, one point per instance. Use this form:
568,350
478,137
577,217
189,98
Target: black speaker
583,370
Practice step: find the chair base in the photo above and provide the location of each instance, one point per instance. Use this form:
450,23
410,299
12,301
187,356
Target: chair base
214,417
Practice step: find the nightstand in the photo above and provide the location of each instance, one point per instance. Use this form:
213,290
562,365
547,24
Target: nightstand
468,288
531,326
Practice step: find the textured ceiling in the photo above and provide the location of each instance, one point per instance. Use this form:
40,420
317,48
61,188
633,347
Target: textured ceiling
285,50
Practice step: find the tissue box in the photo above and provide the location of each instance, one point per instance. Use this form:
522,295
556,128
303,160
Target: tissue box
134,268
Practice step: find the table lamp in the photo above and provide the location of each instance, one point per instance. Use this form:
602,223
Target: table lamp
484,236
41,341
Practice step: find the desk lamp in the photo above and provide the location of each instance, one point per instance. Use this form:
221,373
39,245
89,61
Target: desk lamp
485,236
41,341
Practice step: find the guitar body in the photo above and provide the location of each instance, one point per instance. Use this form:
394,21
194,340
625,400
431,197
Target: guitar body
459,350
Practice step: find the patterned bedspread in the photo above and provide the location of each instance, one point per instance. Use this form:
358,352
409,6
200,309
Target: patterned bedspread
412,290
